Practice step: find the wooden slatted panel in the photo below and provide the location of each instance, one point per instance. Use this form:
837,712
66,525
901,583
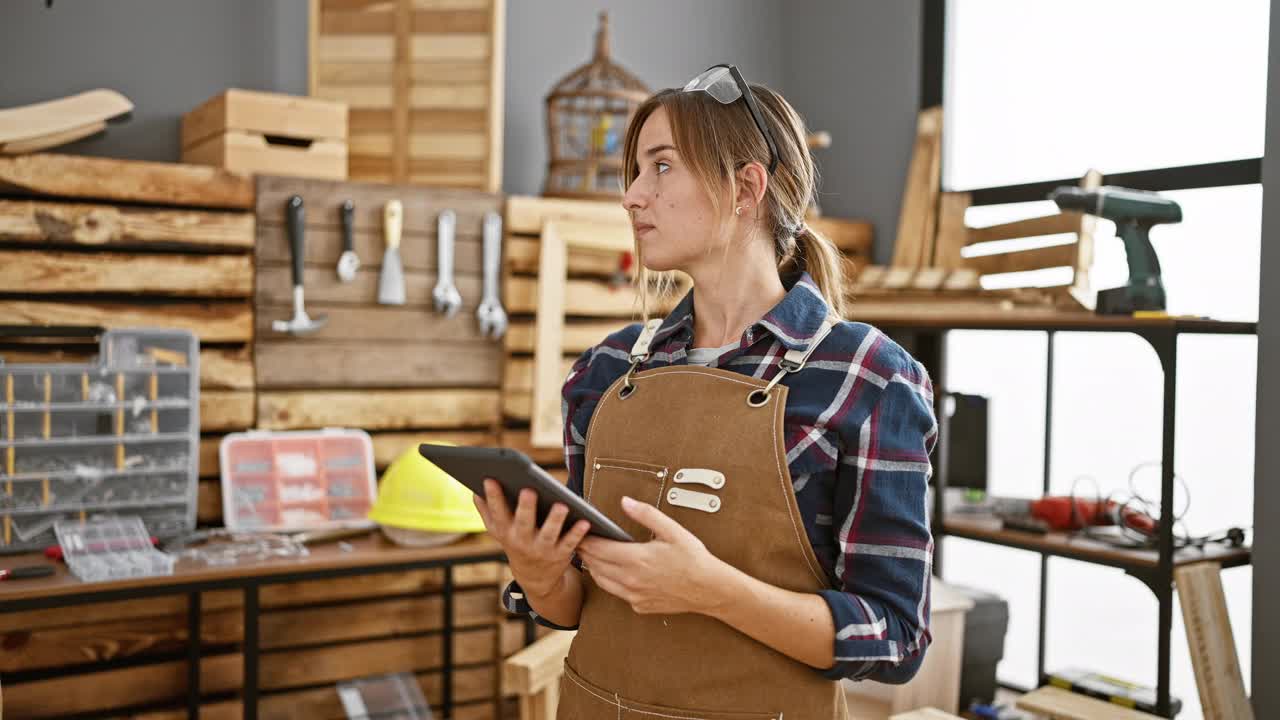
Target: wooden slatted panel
423,83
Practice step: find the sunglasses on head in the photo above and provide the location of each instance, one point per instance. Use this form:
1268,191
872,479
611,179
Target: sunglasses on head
726,85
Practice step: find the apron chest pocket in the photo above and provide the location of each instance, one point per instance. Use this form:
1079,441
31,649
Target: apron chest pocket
609,479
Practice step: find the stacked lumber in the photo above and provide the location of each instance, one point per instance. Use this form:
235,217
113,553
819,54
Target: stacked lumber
113,243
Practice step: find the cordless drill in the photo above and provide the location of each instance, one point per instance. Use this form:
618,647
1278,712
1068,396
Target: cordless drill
1134,212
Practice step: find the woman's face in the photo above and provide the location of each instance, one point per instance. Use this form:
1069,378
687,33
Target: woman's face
672,217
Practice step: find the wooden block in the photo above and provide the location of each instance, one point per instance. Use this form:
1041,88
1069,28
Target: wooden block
264,113
898,278
346,364
257,153
527,214
63,223
1059,704
100,691
92,178
578,335
853,237
1212,644
215,276
962,279
387,446
221,321
378,410
1023,260
536,667
930,278
226,410
917,221
1066,222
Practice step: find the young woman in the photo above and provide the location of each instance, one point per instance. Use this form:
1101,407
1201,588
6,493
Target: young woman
769,457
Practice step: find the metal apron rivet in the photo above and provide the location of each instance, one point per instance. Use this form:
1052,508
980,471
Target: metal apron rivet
673,495
714,503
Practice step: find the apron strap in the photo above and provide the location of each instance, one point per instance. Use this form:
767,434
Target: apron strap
640,351
794,360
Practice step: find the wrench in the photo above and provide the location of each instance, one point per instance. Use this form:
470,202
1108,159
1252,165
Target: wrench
446,296
493,319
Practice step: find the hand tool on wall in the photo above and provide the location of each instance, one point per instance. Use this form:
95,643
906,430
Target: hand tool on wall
348,262
300,323
391,281
493,319
446,296
1134,212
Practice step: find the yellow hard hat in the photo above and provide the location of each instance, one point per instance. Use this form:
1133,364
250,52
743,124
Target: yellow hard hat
414,494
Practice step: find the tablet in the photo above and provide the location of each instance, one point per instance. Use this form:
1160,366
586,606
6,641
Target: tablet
515,471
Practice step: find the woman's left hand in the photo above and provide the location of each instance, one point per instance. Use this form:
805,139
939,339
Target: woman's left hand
672,573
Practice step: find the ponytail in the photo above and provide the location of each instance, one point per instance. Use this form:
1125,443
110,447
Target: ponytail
814,253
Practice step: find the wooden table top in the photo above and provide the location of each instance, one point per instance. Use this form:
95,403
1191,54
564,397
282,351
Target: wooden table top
371,551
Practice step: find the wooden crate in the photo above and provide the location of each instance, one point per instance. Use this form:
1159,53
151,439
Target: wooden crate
257,132
424,81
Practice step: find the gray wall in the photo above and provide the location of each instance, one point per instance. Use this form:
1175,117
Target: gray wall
849,67
1266,493
167,56
854,71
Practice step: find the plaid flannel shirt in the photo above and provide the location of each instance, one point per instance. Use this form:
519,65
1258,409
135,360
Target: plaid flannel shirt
859,427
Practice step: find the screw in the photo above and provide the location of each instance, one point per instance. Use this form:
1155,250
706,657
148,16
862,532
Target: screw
714,503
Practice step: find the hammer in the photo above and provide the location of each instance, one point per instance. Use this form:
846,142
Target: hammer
300,323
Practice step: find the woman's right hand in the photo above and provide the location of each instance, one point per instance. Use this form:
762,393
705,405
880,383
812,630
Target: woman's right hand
538,557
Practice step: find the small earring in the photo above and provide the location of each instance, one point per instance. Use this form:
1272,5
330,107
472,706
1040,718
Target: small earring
738,210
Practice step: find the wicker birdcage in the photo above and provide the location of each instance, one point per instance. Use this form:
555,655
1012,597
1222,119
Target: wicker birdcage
587,115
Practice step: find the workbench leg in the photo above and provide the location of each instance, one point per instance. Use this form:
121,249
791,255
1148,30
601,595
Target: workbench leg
251,652
1166,346
194,637
1044,491
446,673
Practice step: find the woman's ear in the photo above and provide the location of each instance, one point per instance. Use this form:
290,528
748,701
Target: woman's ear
753,180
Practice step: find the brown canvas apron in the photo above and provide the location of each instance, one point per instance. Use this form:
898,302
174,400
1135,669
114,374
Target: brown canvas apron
704,445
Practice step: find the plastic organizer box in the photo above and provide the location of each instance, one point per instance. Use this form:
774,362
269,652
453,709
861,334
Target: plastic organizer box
117,436
110,548
297,480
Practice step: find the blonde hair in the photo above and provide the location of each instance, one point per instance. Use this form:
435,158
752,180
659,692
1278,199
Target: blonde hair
715,141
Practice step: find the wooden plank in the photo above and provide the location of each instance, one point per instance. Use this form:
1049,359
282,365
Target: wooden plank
120,688
226,410
518,374
369,47
584,297
311,666
518,439
536,667
497,93
387,446
209,460
1060,704
226,369
1067,222
853,237
1081,287
378,409
215,276
1211,641
433,47
550,305
253,152
359,96
400,84
209,503
422,206
578,336
418,251
63,223
264,113
14,624
402,325
520,254
1023,260
275,287
378,619
917,220
440,144
94,178
451,21
342,363
465,97
219,321
526,214
953,234
71,645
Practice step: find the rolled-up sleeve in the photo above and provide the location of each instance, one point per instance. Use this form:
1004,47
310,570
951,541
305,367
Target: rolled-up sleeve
880,605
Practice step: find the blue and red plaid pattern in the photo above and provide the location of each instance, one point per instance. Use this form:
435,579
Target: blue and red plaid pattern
859,427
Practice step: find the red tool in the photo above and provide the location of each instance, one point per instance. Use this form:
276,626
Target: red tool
27,572
1064,513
